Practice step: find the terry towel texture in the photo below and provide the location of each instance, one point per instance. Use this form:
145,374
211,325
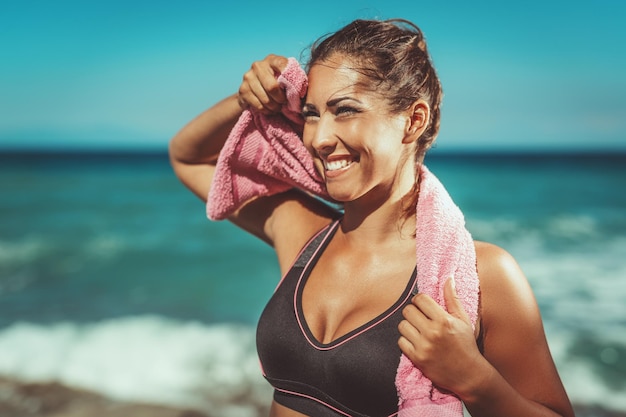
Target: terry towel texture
264,155
444,249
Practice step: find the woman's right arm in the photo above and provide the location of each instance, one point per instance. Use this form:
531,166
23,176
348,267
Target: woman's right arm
195,148
193,155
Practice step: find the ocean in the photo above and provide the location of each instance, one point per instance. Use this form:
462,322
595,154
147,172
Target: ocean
113,280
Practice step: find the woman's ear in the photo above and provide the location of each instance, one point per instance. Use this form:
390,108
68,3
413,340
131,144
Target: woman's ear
418,118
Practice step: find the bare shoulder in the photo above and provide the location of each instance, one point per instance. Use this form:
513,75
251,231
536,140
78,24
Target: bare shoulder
513,338
285,221
295,222
505,290
497,267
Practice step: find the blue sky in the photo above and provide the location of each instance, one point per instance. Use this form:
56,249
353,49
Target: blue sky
128,74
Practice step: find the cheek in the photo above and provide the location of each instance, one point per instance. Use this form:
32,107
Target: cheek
307,136
307,140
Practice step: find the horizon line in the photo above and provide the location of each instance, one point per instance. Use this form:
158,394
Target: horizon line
447,151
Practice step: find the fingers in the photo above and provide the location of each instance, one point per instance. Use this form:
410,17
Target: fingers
434,339
453,304
409,327
414,322
278,65
260,89
419,324
427,306
407,348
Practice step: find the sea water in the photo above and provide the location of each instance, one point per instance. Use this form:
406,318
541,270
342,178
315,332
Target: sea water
112,279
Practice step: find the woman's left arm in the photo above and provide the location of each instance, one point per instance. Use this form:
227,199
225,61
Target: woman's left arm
515,375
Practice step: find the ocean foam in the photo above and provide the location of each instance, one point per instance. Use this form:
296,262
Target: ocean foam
210,367
584,384
578,275
24,251
144,358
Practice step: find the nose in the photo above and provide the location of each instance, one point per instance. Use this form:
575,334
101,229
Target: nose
319,136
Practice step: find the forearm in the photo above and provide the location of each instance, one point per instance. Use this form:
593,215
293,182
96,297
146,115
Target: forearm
492,396
194,149
201,140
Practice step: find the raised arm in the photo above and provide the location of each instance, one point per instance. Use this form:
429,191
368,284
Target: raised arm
194,151
195,148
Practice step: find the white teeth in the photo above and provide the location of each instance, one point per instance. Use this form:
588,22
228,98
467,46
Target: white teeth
335,165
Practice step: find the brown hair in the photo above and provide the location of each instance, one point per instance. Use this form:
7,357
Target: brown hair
393,57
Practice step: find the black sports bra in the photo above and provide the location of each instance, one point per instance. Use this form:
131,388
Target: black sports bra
353,375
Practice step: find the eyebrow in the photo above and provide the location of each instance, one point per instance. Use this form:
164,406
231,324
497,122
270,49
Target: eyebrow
333,102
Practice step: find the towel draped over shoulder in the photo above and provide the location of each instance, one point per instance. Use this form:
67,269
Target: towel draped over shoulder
264,155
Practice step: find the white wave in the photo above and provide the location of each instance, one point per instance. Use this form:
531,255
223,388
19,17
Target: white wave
578,275
493,230
562,226
582,382
582,289
15,259
210,367
105,246
569,226
145,358
23,251
20,254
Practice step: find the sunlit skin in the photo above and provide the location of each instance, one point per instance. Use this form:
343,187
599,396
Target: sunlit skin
366,156
358,146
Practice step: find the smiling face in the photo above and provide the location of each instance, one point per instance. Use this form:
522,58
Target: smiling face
358,145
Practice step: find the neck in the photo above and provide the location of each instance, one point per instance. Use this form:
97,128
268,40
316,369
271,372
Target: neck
380,215
371,222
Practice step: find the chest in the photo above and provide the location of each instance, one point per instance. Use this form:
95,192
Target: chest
354,371
336,296
329,333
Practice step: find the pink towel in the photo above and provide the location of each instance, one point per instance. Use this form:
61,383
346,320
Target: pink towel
264,155
444,249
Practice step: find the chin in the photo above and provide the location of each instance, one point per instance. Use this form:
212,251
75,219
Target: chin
340,196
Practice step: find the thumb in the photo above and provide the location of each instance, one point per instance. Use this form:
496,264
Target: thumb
453,303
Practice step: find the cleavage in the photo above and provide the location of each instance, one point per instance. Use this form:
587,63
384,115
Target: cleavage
341,296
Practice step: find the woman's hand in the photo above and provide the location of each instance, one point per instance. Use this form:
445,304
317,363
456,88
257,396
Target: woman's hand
259,89
442,344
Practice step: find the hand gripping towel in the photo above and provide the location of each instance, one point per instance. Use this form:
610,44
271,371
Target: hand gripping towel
444,249
264,155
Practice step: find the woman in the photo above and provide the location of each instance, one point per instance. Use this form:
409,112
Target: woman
370,114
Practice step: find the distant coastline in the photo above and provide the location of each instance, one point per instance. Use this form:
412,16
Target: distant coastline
434,153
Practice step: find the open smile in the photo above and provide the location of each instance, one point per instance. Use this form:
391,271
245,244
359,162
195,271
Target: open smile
337,164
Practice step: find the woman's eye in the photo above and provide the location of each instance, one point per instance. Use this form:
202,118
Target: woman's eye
309,114
345,110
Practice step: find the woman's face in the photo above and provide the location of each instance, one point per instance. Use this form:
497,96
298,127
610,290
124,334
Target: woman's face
358,146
